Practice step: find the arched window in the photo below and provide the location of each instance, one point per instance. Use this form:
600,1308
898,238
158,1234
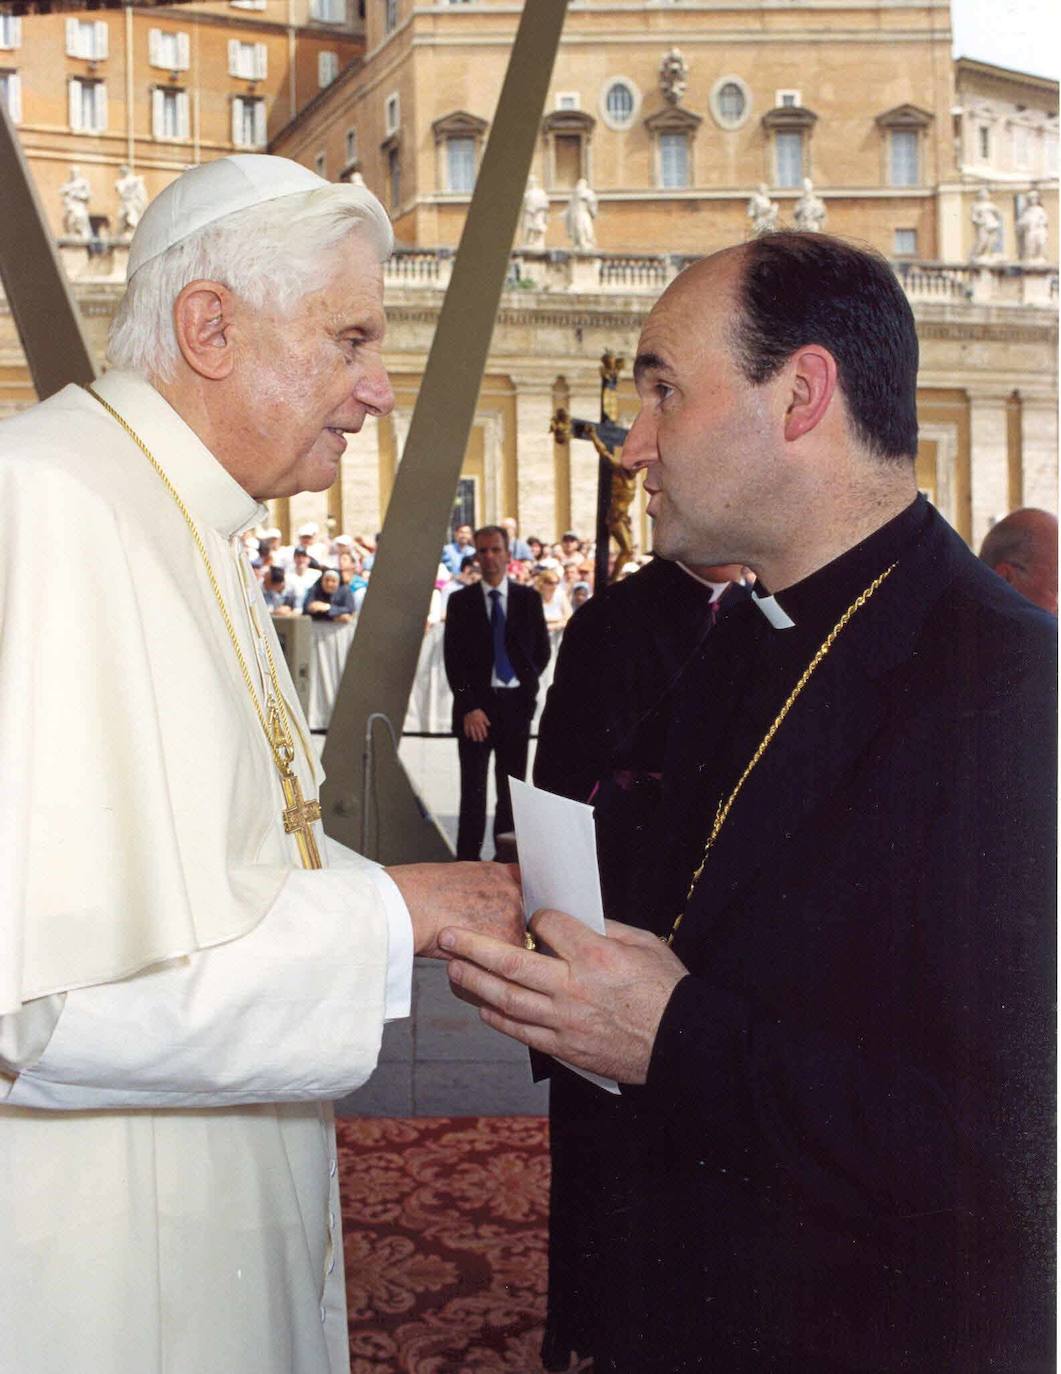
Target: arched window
619,103
731,102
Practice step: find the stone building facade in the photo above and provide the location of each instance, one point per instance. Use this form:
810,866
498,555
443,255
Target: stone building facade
674,114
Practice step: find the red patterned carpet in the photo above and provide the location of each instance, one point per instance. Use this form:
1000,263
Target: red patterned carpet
444,1224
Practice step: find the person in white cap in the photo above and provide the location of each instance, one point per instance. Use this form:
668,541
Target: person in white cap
189,969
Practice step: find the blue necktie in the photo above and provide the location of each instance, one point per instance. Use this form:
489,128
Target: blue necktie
502,663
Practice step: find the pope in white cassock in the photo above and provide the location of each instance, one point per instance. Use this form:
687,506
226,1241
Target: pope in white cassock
189,970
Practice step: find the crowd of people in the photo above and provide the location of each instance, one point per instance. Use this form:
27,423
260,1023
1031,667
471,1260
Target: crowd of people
327,577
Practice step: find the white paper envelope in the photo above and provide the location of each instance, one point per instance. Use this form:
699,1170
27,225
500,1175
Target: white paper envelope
557,846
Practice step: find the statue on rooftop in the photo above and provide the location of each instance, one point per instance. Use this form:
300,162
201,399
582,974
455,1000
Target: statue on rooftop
1033,228
535,216
762,211
987,226
810,212
581,212
132,200
75,195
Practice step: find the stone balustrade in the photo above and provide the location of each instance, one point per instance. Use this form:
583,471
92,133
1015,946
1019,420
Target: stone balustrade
631,274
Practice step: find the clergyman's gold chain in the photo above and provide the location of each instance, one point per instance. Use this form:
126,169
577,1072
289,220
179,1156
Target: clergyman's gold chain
725,804
281,746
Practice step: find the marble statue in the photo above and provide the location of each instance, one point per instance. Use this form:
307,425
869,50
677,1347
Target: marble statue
75,194
987,224
809,213
132,200
581,212
762,211
1033,229
535,215
673,76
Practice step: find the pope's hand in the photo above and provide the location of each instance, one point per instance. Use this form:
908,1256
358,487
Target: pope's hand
595,1002
483,897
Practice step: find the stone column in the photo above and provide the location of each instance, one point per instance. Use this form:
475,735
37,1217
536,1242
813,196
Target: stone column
950,216
535,477
1039,450
988,434
361,512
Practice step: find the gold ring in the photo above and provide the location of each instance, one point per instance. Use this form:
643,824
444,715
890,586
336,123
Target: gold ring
529,942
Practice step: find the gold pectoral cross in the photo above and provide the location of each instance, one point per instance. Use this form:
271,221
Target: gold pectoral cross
299,815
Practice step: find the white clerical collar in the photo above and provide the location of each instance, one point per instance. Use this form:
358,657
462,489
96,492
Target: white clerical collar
207,488
717,588
778,617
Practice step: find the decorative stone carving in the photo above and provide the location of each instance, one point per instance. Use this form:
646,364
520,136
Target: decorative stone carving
75,195
1033,228
535,215
810,212
762,211
581,212
132,200
987,224
673,76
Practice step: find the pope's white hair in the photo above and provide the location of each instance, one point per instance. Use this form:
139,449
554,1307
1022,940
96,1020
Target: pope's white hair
274,254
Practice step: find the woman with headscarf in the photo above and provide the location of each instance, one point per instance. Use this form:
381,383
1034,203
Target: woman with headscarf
328,599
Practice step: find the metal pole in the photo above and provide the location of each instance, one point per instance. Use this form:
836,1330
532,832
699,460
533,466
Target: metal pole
382,661
42,304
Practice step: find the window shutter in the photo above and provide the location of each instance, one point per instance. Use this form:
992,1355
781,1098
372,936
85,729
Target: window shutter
322,69
154,47
261,134
233,57
101,36
14,31
74,99
101,107
183,112
237,111
184,52
14,97
261,59
157,113
72,35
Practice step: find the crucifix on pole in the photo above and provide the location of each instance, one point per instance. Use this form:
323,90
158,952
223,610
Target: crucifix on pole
615,486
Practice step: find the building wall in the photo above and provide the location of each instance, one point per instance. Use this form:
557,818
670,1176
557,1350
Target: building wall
292,41
445,59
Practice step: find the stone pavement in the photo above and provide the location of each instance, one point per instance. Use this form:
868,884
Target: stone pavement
442,1061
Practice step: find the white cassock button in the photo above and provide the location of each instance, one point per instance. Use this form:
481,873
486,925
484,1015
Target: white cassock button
331,1168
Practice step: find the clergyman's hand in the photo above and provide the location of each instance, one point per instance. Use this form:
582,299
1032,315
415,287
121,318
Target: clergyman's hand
595,1002
484,897
476,725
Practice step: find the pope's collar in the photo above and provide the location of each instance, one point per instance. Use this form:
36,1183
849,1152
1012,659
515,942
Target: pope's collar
206,488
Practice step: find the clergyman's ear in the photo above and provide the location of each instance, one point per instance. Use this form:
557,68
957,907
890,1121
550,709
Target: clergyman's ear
202,318
813,375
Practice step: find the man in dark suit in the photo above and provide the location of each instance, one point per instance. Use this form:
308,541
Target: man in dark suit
603,732
496,646
833,1148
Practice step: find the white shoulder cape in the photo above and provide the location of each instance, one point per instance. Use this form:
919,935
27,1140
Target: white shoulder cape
140,812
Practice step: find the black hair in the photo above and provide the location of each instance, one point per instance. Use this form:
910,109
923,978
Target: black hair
493,529
803,288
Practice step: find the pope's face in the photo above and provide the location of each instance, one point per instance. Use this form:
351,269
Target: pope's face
704,435
305,379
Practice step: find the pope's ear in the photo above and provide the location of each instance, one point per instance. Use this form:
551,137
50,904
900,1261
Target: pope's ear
202,319
812,373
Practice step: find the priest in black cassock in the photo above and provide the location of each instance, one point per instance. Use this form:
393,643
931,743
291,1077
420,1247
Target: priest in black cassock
833,1026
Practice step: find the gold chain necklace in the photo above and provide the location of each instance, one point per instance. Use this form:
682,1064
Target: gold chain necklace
299,814
726,804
